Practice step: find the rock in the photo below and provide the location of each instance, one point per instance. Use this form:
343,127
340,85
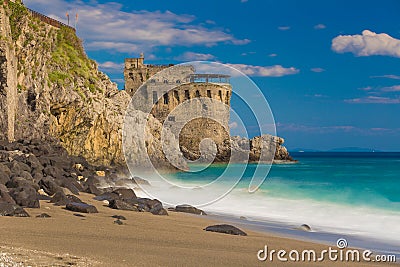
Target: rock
17,181
25,196
225,229
107,196
5,197
141,181
118,222
8,209
43,215
189,209
119,217
49,185
81,207
100,173
79,215
60,199
125,194
122,205
305,228
4,177
161,211
243,218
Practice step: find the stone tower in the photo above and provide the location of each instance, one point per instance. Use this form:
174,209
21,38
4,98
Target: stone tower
205,96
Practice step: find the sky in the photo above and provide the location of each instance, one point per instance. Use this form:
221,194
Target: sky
330,70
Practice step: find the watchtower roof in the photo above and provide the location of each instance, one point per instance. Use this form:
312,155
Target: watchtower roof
209,78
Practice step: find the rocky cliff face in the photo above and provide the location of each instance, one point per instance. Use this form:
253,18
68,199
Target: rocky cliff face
59,92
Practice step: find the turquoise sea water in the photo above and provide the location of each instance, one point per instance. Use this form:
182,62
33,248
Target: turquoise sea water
351,193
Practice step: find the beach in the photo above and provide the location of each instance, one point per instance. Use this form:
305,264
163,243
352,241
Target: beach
143,240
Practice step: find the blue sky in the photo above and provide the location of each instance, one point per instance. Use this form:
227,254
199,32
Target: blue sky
330,70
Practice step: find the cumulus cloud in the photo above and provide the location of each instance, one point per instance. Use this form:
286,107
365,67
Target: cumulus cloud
192,56
107,26
273,55
111,66
319,26
265,71
317,70
367,44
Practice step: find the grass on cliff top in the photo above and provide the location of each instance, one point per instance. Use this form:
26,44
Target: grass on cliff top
69,56
18,12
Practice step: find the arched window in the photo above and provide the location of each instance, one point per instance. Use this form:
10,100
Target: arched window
197,93
178,81
165,81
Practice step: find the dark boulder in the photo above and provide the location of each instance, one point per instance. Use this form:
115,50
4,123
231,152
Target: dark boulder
125,193
4,177
8,209
189,209
26,196
61,199
4,168
17,181
119,217
225,229
122,205
109,196
34,163
43,215
49,186
119,222
17,167
5,197
81,207
161,211
53,172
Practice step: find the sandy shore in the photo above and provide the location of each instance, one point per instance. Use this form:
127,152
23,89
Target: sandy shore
144,240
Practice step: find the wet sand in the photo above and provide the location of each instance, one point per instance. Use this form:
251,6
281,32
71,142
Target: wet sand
143,240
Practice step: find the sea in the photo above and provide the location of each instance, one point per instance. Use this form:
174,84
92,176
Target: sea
339,195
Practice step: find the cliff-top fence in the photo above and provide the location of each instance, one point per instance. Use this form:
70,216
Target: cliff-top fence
46,19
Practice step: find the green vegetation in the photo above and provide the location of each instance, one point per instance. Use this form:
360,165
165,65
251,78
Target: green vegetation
18,12
70,56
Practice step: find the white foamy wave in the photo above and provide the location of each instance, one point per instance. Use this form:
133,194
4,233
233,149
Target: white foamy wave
321,216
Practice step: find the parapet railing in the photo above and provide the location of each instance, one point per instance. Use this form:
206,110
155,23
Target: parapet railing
46,19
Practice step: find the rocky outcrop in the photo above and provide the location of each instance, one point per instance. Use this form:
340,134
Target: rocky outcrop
266,148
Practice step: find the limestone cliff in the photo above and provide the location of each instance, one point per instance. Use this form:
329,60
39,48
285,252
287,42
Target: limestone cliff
51,88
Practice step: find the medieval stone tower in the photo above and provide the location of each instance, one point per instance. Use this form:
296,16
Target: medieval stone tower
195,106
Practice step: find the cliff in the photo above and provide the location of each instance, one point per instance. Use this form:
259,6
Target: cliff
50,88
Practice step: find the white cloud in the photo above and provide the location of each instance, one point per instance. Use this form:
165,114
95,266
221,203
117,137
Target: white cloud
317,70
367,44
273,55
111,66
319,26
265,71
389,76
107,26
374,100
394,88
244,1
284,28
192,56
